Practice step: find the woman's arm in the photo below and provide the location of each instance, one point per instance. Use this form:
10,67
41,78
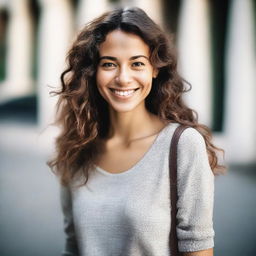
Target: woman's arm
195,196
208,252
71,248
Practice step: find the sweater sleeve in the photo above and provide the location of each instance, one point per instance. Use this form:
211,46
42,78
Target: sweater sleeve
71,248
195,194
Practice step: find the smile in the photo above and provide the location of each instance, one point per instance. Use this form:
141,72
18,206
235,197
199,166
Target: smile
124,93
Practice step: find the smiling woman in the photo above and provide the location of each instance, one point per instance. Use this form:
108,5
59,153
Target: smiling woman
120,103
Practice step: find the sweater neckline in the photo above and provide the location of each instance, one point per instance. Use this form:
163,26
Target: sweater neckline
140,161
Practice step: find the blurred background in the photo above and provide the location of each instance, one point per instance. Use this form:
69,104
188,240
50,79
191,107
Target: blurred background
216,45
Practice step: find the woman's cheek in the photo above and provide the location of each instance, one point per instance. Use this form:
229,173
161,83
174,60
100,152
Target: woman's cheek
104,77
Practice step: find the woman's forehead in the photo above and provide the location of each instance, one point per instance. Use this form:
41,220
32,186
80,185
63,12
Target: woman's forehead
119,42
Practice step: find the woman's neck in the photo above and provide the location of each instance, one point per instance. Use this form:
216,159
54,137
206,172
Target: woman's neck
128,126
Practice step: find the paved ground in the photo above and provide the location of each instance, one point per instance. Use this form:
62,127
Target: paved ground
30,216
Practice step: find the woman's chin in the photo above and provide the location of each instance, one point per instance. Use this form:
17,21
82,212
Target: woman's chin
123,108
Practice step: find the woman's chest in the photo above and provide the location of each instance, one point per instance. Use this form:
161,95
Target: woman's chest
137,202
136,211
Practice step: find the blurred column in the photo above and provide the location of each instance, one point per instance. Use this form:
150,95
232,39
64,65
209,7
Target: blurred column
90,9
19,52
153,8
240,115
55,31
195,56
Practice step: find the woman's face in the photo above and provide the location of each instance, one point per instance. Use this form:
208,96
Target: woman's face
124,73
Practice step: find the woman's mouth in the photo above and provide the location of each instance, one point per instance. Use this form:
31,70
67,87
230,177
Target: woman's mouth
123,93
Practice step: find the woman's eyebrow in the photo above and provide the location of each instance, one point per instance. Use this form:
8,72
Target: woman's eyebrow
115,59
139,56
108,58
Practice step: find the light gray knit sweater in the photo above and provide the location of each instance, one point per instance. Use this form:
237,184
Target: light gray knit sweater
128,214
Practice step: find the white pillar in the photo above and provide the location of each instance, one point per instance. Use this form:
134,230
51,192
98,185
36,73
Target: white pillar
240,115
18,81
153,8
90,9
55,31
3,4
195,56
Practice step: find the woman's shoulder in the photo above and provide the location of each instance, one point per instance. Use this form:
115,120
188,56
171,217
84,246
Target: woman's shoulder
189,133
190,137
192,142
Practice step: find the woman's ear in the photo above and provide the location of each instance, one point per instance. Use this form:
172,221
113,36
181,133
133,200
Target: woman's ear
155,72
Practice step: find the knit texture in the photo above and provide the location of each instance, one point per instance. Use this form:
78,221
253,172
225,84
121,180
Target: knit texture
128,214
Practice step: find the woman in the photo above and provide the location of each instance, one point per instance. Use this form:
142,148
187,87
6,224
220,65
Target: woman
120,103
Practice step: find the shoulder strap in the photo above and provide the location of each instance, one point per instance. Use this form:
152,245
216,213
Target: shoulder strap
173,241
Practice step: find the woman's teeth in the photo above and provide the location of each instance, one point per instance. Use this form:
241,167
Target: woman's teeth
124,93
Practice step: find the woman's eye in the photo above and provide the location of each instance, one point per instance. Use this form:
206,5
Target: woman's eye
108,65
138,64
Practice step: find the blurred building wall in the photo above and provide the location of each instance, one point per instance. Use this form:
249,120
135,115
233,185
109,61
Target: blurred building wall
216,45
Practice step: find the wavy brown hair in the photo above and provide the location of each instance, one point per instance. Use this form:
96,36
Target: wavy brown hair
83,113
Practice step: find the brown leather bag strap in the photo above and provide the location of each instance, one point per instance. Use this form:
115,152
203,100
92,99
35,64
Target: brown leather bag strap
173,241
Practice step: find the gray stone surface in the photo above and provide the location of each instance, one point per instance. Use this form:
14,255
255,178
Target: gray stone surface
235,212
30,217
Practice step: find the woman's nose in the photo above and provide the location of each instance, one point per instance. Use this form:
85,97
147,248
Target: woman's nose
123,77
